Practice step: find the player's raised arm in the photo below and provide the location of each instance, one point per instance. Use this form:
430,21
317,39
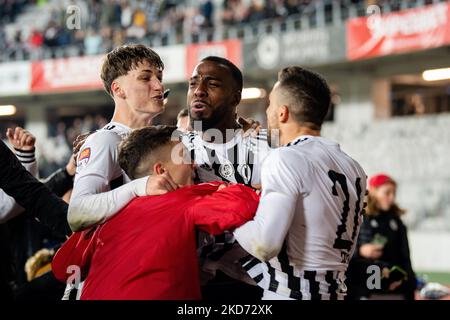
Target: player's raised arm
92,200
23,143
263,236
225,209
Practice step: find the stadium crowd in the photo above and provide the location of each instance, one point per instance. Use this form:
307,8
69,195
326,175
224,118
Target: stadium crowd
107,24
57,149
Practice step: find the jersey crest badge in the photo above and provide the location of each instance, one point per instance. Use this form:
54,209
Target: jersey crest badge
226,170
84,157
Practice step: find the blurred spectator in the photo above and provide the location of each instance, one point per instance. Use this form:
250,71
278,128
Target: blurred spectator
58,147
109,13
382,241
127,14
107,39
257,11
92,42
207,11
50,35
35,43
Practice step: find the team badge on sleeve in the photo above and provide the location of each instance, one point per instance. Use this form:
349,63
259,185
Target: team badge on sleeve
84,157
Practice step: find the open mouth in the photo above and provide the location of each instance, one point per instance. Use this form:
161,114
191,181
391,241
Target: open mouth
199,106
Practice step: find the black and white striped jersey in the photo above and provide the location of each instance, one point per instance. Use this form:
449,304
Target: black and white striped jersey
305,229
237,161
281,280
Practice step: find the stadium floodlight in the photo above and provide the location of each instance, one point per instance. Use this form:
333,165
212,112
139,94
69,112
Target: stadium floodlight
7,110
436,74
253,93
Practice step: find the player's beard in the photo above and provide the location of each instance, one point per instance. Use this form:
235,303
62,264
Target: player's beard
209,123
273,136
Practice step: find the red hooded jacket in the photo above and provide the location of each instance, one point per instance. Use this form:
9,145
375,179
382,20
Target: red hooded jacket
148,250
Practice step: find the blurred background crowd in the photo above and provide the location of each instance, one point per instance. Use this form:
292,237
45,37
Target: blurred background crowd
106,24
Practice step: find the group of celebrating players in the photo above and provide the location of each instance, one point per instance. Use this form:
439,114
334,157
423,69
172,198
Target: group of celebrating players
212,210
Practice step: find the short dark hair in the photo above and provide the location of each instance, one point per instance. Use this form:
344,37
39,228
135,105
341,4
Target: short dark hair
308,93
235,72
125,58
183,113
141,144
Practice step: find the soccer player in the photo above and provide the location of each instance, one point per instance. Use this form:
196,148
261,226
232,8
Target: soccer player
132,75
312,199
148,250
222,152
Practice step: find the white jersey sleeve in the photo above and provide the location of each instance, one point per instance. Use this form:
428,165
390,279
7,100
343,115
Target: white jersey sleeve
8,207
282,186
92,200
28,160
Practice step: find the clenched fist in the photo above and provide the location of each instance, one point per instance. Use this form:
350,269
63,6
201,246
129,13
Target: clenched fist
21,139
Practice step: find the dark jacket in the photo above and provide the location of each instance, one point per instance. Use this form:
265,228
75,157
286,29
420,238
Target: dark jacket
27,235
389,226
34,196
59,182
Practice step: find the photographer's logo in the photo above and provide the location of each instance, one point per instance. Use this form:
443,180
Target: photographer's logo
74,279
73,20
374,280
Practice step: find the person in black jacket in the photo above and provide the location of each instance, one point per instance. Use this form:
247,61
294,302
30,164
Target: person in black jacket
26,235
383,242
35,197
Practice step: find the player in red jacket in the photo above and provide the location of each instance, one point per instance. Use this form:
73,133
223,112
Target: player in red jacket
148,250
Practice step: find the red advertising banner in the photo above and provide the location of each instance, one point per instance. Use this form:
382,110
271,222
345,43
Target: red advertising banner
69,74
229,49
409,30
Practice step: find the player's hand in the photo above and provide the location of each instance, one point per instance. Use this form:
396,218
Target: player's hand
71,166
371,251
160,184
21,139
222,186
394,285
250,126
257,188
78,143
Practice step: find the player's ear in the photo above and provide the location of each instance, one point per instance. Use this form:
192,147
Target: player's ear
283,114
158,168
117,90
237,95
